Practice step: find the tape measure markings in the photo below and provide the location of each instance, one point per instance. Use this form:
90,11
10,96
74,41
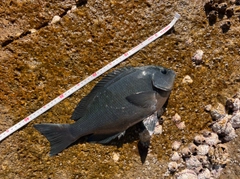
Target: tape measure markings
87,80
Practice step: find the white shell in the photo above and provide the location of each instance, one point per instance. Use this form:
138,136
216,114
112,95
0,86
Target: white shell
219,155
175,156
235,120
199,139
206,133
216,172
181,125
204,160
236,105
187,79
185,152
172,166
193,163
186,174
230,136
55,19
212,140
176,145
222,126
158,129
202,149
193,148
197,57
176,118
204,174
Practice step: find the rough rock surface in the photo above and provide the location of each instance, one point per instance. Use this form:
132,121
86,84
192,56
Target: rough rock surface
38,65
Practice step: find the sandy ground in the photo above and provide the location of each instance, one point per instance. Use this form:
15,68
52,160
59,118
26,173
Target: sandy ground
40,60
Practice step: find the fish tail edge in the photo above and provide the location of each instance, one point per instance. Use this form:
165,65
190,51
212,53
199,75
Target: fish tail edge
57,134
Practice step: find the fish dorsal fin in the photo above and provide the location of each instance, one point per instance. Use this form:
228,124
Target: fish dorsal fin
147,99
106,81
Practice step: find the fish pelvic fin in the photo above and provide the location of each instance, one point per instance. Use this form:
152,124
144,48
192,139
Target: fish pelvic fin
58,135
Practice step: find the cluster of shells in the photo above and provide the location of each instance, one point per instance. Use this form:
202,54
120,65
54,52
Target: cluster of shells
220,9
207,155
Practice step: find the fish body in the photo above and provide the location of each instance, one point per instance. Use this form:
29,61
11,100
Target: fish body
120,100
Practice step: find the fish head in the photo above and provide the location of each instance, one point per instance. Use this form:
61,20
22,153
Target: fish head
163,78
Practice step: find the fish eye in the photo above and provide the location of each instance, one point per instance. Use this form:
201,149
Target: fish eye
164,71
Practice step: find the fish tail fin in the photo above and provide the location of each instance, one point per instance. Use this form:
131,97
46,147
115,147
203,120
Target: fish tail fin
58,135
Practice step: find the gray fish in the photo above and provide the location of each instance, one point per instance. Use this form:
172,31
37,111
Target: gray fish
120,100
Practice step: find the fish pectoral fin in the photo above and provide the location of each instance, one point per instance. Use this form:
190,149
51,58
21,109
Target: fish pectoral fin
150,123
147,99
104,138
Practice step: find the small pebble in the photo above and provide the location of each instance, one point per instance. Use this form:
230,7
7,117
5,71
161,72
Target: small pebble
176,118
115,157
158,129
187,79
208,108
202,149
176,145
197,57
181,125
172,166
175,156
186,152
55,19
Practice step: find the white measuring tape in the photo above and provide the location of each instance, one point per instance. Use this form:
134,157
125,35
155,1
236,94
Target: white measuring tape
87,80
